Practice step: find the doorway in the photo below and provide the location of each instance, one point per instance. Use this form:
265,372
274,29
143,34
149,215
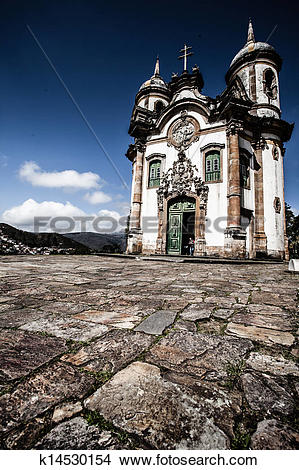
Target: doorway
181,225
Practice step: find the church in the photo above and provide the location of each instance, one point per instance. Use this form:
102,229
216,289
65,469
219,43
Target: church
210,170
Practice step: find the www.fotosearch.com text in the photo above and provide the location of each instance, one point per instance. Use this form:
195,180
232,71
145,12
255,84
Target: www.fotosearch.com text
108,224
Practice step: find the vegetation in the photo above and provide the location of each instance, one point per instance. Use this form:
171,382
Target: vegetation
292,228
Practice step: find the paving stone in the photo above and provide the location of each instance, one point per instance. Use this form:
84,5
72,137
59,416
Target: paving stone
15,318
26,435
185,325
116,319
4,299
271,298
111,352
223,313
77,434
273,435
58,382
52,290
264,335
225,405
21,352
164,414
198,311
9,307
68,328
63,308
265,309
272,365
66,410
219,301
73,434
274,322
264,394
203,356
156,323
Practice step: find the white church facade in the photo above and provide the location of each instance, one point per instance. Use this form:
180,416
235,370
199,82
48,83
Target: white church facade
210,169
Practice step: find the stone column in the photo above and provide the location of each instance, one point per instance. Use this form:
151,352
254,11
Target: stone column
235,237
200,245
260,239
135,232
286,241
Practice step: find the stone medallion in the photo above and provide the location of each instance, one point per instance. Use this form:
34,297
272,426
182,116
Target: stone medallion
183,132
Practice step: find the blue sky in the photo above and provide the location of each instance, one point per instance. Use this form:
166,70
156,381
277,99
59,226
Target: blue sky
104,51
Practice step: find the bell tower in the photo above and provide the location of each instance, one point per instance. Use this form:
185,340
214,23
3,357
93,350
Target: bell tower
258,65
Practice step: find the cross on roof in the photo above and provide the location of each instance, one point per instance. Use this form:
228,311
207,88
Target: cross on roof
185,54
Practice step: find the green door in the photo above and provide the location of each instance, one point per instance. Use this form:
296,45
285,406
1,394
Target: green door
176,210
174,233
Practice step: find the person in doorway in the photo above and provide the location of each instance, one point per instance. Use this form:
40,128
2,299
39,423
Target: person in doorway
191,246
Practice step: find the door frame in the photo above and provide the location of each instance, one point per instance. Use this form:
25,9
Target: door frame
199,226
179,213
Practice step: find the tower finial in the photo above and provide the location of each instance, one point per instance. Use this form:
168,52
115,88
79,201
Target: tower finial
250,36
157,67
186,53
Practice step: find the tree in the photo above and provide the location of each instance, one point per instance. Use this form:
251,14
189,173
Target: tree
292,229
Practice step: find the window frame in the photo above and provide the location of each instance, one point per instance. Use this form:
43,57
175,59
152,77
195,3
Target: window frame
205,152
154,158
244,158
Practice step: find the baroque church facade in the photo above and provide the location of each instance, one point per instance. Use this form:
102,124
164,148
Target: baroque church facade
210,169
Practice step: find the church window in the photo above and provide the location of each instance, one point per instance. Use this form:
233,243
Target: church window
159,106
212,169
270,86
244,172
154,174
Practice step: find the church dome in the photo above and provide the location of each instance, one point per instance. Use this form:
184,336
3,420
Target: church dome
251,52
250,48
156,80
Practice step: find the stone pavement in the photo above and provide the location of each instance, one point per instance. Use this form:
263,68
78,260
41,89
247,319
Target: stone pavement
117,353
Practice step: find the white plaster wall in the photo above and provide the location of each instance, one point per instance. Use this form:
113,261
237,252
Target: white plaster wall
151,102
273,187
244,76
217,200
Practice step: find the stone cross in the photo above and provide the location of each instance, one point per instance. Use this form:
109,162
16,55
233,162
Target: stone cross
186,53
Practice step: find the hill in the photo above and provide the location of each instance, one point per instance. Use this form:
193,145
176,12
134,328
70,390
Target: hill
14,241
102,242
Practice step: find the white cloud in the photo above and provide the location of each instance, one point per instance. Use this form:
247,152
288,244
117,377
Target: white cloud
67,179
97,197
3,160
295,211
23,215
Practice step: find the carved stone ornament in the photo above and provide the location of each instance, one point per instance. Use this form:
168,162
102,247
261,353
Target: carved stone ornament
234,127
260,144
140,145
275,152
277,205
183,132
180,180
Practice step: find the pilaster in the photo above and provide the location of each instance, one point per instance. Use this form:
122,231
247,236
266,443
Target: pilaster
135,232
260,238
235,236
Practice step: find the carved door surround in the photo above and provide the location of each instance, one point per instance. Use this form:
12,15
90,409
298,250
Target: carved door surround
182,180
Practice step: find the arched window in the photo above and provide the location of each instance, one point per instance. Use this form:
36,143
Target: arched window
212,166
244,172
154,173
159,106
270,86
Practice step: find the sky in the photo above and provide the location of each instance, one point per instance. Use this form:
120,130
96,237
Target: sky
51,163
